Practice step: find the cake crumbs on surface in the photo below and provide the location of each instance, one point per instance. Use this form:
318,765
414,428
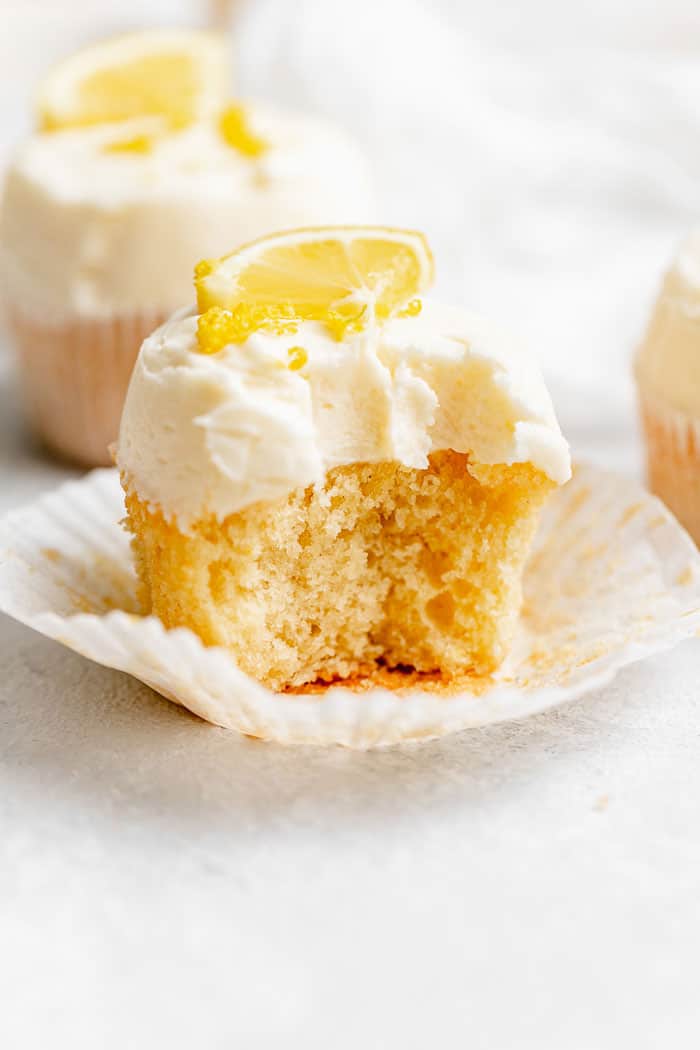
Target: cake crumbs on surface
574,505
597,652
77,580
593,551
548,659
629,513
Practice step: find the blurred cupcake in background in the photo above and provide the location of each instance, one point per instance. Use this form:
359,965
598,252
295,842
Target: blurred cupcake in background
141,166
668,379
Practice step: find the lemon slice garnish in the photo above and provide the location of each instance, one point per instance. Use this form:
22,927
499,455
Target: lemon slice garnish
343,277
176,74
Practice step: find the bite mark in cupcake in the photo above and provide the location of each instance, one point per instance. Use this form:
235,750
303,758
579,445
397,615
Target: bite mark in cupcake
372,508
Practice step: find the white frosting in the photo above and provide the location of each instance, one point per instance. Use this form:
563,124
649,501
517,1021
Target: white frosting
668,361
212,434
93,233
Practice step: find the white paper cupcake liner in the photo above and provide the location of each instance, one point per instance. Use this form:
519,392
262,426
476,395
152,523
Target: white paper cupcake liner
673,459
612,579
75,375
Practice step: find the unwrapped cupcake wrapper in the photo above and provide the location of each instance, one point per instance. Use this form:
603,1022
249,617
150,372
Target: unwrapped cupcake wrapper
673,460
75,374
612,578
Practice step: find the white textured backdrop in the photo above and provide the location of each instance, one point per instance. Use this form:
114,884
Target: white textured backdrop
166,884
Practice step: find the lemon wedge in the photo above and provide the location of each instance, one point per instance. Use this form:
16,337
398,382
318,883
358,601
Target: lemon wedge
344,277
179,75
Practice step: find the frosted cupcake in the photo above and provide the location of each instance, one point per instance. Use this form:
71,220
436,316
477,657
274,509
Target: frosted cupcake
140,166
668,379
326,473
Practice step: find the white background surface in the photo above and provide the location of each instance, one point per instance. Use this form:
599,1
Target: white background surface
165,883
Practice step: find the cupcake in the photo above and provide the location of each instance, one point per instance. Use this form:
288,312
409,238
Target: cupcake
668,380
141,165
327,473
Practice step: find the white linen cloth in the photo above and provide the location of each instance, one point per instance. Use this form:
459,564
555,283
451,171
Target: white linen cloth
551,153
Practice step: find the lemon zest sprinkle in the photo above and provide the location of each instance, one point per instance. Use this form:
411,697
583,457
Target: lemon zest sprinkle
298,357
218,327
411,309
135,144
236,131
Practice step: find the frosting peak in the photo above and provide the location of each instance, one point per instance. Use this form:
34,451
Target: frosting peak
107,220
212,434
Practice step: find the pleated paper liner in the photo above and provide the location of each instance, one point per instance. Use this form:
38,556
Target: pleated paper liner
612,579
75,375
673,459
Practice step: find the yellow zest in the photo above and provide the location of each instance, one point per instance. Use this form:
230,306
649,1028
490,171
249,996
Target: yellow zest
411,309
202,269
218,327
297,358
341,277
345,322
236,131
135,144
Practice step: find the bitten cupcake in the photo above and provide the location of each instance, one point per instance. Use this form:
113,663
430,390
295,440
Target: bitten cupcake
139,166
328,473
668,379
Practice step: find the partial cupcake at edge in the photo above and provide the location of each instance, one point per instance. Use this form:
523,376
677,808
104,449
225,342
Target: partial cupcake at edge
140,164
667,369
330,474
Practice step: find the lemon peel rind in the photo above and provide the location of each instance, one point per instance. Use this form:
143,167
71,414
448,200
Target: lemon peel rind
360,295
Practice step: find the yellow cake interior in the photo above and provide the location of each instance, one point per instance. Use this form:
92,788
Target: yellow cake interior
383,564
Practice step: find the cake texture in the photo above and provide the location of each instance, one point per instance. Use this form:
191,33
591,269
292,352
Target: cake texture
667,370
320,505
102,218
414,568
